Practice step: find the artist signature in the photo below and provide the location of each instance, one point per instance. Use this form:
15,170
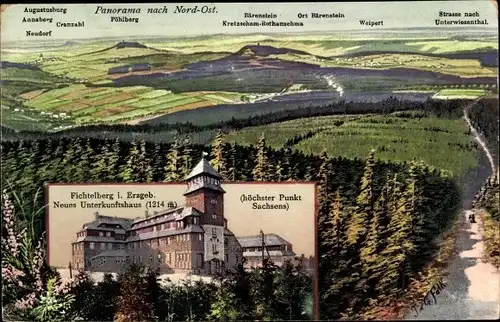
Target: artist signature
435,290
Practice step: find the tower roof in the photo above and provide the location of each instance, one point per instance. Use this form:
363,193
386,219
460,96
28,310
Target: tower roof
203,167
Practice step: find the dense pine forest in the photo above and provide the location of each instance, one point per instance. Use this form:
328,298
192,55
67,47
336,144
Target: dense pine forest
379,223
484,116
203,133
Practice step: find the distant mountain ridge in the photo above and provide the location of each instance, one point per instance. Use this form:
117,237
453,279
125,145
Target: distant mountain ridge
265,50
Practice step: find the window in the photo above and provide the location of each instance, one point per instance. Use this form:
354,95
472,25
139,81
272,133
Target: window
100,234
214,248
214,216
213,201
200,237
103,246
110,246
196,221
214,232
226,241
108,234
159,258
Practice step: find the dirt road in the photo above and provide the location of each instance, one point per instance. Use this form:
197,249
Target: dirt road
472,288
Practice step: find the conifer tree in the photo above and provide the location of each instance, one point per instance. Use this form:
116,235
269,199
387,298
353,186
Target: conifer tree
375,242
129,171
338,269
28,164
71,156
324,177
399,244
158,160
101,172
365,202
83,167
261,170
114,161
145,169
187,157
232,173
287,164
308,176
278,172
174,164
219,160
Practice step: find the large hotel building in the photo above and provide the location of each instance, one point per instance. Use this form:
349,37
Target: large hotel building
194,238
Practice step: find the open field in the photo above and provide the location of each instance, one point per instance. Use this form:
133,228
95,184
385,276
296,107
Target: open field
459,67
109,104
153,77
459,93
25,121
441,143
326,45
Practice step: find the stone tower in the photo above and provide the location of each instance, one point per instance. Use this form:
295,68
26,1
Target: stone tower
205,194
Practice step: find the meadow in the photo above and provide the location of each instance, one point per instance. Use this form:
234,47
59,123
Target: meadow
459,67
327,44
441,143
73,77
84,104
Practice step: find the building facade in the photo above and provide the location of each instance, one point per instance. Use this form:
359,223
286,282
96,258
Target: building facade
194,238
273,247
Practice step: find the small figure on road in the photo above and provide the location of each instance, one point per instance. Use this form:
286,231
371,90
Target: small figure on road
472,218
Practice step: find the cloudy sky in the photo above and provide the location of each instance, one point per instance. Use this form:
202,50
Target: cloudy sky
404,14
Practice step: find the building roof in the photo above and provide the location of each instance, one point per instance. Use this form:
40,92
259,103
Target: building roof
112,253
171,211
206,185
256,240
124,223
284,253
203,167
188,211
165,233
99,239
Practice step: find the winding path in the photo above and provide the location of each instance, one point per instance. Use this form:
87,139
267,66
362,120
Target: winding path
472,287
